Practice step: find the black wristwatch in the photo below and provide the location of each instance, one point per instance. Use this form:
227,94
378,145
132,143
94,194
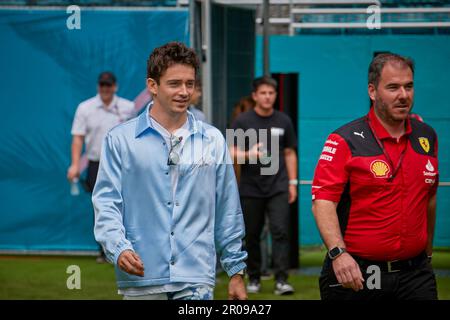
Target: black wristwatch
336,252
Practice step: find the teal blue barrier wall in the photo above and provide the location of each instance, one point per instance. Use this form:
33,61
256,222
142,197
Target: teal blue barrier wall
45,71
333,90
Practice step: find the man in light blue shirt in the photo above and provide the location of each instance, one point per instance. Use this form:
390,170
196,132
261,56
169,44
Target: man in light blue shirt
166,197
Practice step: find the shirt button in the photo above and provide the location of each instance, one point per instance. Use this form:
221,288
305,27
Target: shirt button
172,262
164,143
172,233
169,203
167,173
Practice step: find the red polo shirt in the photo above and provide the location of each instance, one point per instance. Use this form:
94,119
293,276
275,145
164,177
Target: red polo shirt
381,218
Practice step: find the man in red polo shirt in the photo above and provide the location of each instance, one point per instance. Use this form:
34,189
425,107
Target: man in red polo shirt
374,195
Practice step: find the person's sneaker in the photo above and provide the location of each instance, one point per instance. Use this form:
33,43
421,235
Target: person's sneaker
283,288
253,286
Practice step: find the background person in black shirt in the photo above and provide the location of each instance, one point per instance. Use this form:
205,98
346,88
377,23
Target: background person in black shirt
269,194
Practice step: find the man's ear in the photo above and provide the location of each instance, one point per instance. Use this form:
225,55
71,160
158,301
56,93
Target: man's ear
372,91
152,86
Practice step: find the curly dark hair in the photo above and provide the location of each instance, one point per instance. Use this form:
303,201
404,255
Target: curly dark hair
167,55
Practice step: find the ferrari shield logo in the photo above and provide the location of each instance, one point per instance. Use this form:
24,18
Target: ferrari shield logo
425,144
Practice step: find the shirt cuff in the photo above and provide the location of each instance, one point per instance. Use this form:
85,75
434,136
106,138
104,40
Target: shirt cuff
326,196
78,133
240,266
121,248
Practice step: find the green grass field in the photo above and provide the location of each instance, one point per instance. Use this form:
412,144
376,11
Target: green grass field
37,277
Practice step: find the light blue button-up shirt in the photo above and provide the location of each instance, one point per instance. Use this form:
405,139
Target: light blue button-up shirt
176,235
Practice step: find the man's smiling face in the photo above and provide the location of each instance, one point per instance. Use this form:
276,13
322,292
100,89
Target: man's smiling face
175,88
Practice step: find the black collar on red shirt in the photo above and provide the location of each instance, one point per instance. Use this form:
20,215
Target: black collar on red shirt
380,130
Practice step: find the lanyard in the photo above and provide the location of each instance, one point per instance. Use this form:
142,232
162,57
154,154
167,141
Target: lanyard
381,145
117,113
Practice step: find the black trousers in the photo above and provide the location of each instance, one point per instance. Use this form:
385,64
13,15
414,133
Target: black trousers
91,178
92,171
277,209
415,283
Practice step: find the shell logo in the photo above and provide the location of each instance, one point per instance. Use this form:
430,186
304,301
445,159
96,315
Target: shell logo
380,169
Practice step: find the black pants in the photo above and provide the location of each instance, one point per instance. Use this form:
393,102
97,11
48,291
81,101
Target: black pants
415,283
277,209
92,171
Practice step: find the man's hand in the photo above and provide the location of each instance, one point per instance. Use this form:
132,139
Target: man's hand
73,172
347,272
131,263
236,288
292,193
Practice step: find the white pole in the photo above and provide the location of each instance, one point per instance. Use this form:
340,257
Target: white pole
207,67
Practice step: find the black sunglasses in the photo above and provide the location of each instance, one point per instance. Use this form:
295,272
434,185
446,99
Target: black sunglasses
105,84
